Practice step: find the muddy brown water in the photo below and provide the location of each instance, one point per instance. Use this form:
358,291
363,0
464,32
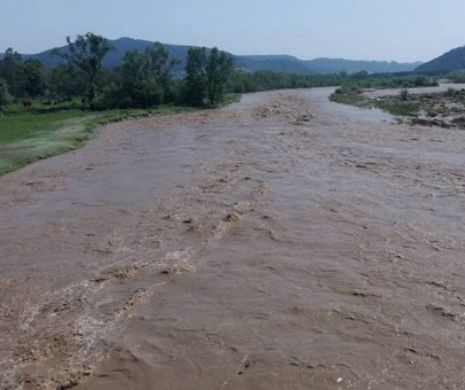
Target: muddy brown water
284,242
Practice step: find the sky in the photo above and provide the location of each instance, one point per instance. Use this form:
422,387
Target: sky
400,30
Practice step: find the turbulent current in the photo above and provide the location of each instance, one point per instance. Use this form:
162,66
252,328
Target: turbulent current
284,242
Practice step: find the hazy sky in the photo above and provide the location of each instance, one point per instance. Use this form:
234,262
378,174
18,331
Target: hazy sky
402,30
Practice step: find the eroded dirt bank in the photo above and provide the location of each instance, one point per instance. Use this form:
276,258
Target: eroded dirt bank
285,242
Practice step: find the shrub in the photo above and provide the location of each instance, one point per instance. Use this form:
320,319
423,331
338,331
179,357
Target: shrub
404,95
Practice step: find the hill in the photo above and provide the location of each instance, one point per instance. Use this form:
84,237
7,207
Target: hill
451,61
330,65
277,63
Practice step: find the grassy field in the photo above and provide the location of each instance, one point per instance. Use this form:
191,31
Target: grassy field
28,135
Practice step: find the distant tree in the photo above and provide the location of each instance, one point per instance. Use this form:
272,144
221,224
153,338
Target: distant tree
65,81
218,71
421,81
87,53
143,79
33,78
161,65
262,80
207,76
363,74
11,71
4,95
196,76
138,87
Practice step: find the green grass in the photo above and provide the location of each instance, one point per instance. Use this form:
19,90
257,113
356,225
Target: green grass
394,105
353,99
399,108
230,98
28,135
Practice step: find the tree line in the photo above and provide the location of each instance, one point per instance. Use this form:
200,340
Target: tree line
147,78
144,78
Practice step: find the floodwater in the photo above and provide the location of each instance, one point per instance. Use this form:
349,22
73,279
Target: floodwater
284,242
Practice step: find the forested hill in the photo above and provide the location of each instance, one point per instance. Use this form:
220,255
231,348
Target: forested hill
277,63
330,65
451,61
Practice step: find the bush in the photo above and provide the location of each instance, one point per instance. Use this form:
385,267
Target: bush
404,95
398,108
421,81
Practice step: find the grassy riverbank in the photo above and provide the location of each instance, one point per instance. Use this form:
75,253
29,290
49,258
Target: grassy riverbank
28,135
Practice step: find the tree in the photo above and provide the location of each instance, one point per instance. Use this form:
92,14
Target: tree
138,87
218,71
4,95
87,53
65,81
11,71
196,77
207,76
143,80
161,65
33,78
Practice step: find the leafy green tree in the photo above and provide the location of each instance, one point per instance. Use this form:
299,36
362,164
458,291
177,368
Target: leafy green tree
196,76
207,76
65,81
161,65
218,70
87,53
11,71
139,88
143,80
33,78
4,95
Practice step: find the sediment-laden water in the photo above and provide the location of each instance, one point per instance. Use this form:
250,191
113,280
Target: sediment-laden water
284,242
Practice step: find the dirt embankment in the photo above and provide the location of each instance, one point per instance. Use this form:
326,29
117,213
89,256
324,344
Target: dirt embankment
285,242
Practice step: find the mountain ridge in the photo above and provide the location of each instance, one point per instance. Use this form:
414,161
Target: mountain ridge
277,62
450,61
